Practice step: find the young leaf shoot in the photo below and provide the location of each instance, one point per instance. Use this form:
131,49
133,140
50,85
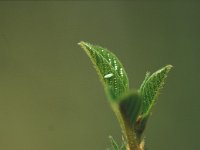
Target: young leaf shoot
132,108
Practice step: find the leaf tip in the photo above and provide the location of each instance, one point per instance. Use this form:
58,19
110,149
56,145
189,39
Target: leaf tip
83,44
168,67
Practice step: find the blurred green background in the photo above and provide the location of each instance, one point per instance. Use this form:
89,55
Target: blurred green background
50,96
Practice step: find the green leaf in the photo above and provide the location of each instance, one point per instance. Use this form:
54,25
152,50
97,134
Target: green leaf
150,88
123,147
109,69
130,106
114,144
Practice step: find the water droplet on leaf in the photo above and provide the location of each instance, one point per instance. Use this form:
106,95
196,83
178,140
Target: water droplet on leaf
108,75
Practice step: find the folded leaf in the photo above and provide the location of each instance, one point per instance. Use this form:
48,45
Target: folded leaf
130,107
150,88
109,69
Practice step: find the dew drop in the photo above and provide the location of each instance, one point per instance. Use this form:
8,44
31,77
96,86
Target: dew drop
116,67
121,72
108,75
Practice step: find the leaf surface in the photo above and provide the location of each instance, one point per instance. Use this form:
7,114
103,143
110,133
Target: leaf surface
109,69
150,88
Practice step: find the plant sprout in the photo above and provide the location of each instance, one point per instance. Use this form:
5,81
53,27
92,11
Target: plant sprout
131,107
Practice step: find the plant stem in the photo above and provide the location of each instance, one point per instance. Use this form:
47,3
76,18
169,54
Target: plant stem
130,134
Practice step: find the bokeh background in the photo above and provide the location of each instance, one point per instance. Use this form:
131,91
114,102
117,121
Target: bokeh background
50,96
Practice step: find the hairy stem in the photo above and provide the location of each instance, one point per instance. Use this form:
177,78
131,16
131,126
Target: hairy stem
133,143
